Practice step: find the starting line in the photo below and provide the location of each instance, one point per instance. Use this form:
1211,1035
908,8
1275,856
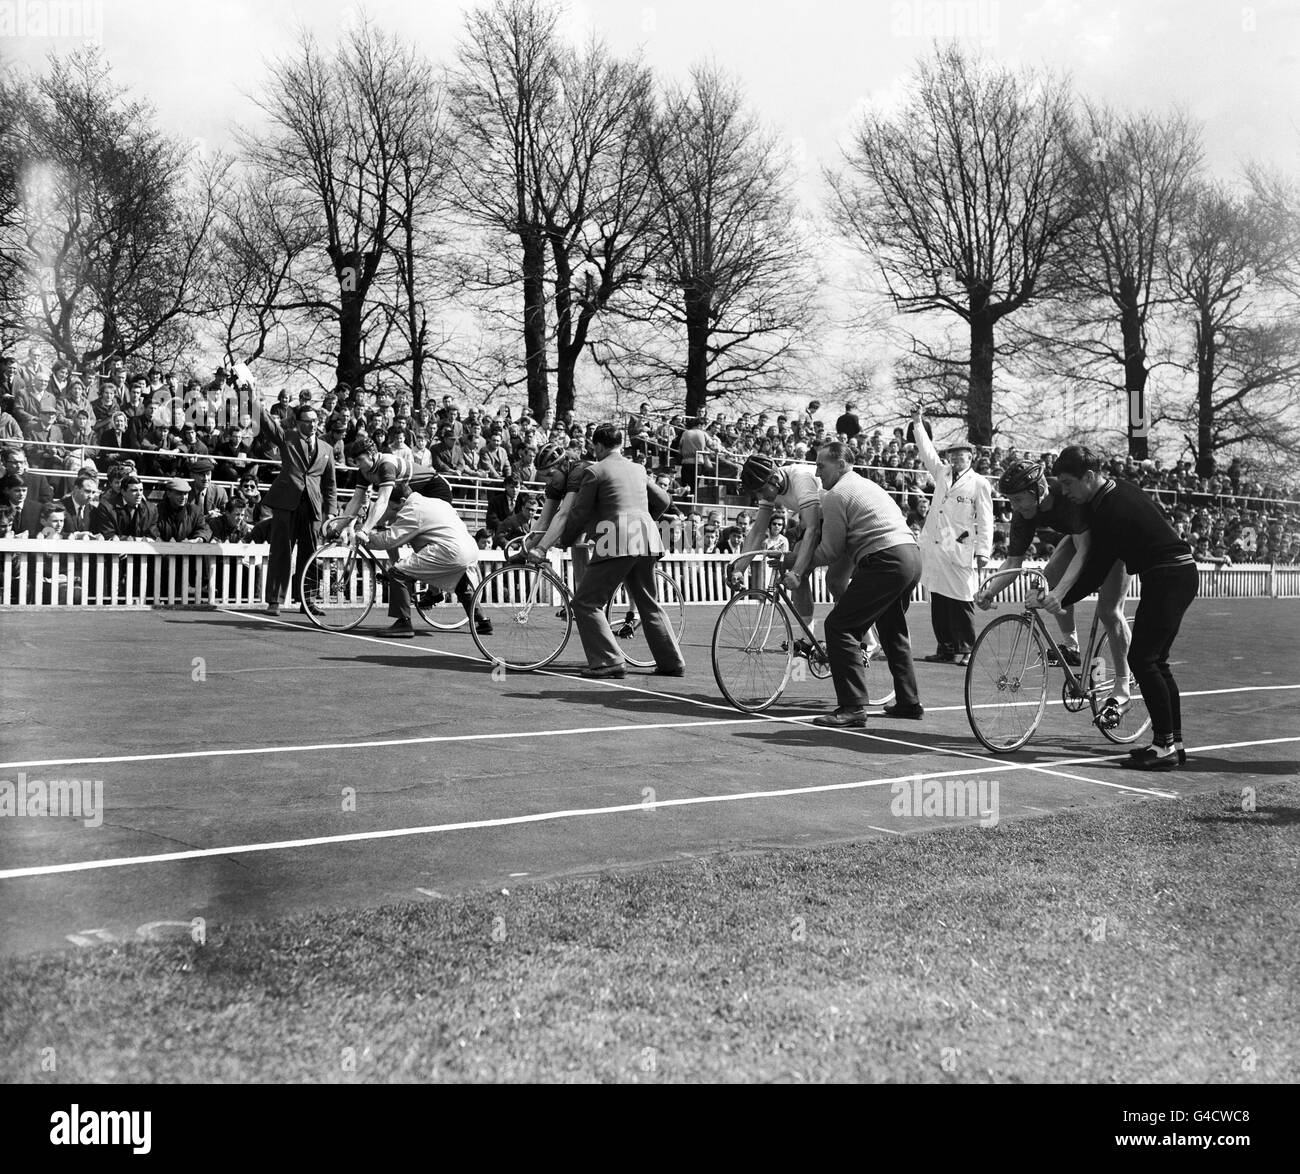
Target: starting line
577,813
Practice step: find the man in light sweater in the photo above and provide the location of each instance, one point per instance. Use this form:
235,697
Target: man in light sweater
863,524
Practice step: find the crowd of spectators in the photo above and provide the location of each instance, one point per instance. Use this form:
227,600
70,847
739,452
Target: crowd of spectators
192,434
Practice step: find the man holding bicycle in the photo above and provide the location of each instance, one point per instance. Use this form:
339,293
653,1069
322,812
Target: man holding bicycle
444,553
1124,523
862,524
1038,501
393,478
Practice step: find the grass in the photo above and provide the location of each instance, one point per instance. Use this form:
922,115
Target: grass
1149,941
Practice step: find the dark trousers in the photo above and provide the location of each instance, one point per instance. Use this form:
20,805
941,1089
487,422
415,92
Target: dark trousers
1167,593
599,582
879,593
289,528
954,623
399,596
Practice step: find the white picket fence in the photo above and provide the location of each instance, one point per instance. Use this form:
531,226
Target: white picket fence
176,574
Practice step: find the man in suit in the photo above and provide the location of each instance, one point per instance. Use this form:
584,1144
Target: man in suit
618,507
39,492
211,497
500,506
80,506
301,498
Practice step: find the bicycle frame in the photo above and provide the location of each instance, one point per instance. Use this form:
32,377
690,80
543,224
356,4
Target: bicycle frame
775,589
1078,685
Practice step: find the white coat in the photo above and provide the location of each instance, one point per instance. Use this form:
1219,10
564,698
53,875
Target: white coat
958,528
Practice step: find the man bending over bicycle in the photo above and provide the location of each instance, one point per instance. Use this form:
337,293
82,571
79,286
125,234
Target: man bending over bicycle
393,477
797,491
1039,501
444,553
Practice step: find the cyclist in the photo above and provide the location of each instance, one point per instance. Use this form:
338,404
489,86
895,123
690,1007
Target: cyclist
1124,523
564,470
797,492
393,476
444,553
1040,501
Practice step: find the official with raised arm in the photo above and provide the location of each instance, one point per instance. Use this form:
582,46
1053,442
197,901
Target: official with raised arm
955,544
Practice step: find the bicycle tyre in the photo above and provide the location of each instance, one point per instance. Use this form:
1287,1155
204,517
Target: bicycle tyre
442,612
528,609
752,650
626,624
345,589
1006,684
1136,720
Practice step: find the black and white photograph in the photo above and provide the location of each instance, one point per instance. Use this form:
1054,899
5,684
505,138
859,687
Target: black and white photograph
647,542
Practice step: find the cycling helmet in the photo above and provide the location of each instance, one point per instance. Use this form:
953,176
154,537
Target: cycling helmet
756,472
548,455
1021,476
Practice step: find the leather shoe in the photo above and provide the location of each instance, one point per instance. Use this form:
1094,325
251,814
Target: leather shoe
940,658
609,671
398,631
273,609
914,712
843,719
660,672
1148,759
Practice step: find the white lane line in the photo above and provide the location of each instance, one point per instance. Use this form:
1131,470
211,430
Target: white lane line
569,813
368,745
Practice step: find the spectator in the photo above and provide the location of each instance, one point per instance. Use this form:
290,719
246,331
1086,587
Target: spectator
134,519
14,494
80,506
501,505
181,517
40,492
448,457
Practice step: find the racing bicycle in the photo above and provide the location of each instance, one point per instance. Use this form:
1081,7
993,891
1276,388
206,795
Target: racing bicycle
347,575
530,607
754,648
1006,679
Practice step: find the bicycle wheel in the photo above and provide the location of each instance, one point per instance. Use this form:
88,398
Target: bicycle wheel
439,607
626,625
345,587
753,652
1006,684
1101,684
528,608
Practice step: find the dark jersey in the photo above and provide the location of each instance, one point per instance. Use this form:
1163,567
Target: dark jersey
565,478
1124,523
1055,512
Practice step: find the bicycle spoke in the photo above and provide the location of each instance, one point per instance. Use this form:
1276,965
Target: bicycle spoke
530,617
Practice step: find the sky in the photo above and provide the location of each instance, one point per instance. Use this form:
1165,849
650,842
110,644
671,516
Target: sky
807,65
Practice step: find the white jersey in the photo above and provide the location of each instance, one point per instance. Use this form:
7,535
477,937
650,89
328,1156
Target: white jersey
432,527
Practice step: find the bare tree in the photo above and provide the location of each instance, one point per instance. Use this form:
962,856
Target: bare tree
1133,174
729,300
504,83
1230,264
355,135
962,200
117,218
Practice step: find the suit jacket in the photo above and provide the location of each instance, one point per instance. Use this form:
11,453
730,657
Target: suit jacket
79,517
300,475
120,521
215,500
618,506
499,507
